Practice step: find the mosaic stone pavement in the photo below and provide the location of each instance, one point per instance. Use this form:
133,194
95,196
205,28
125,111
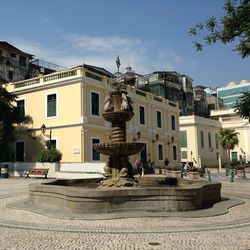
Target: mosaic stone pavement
26,230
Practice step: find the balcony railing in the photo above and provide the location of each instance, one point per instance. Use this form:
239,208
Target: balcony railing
46,79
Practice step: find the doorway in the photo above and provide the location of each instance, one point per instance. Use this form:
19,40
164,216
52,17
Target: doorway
20,151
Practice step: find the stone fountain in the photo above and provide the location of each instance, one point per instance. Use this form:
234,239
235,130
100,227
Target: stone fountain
118,193
118,170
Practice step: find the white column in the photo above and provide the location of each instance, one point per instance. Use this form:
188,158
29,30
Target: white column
199,161
219,163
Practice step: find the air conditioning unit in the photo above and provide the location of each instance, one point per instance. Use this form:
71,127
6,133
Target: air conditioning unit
42,70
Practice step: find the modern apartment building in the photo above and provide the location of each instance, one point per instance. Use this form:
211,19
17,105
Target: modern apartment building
232,92
70,105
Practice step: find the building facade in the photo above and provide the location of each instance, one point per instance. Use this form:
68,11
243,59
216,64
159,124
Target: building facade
170,85
70,105
14,63
199,138
232,92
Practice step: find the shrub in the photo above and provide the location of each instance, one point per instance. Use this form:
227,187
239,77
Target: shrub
49,155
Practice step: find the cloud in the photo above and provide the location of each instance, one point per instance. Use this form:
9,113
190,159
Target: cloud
103,44
76,49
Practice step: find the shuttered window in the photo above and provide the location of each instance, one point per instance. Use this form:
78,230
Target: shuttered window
51,105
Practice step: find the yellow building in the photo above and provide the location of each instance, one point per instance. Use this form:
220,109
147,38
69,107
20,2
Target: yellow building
229,119
70,105
199,143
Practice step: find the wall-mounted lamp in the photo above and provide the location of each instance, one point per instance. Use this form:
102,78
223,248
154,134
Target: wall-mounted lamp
156,138
137,137
43,130
211,149
171,140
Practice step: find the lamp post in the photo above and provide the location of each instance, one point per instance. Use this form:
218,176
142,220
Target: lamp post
156,138
43,129
138,136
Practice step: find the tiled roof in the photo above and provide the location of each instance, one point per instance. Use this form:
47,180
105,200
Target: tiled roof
98,70
8,46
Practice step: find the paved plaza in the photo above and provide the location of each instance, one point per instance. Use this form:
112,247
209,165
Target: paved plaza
26,230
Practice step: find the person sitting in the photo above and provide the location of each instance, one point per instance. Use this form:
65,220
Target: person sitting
140,169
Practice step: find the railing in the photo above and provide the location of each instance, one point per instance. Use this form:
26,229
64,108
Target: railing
158,99
47,78
138,92
27,83
60,75
172,104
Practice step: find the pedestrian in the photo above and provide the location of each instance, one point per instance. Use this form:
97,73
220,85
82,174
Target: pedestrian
186,168
166,162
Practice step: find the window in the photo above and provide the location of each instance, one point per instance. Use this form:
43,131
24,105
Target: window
10,75
94,104
209,140
22,61
160,151
183,135
51,144
173,122
184,154
20,151
142,115
51,105
143,154
13,55
234,156
20,105
202,139
174,153
95,154
216,141
158,114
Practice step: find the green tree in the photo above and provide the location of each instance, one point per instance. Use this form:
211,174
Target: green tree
243,105
9,119
228,139
234,26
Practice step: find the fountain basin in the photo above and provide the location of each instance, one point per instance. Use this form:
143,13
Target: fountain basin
119,148
88,197
123,116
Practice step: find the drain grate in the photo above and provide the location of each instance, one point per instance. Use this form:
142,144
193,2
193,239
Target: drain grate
154,243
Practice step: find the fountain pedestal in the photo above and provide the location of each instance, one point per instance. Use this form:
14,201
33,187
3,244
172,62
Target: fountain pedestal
118,171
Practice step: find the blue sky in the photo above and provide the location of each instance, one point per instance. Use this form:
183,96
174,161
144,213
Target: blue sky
148,35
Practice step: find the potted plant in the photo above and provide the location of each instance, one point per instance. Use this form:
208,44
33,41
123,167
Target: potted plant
202,171
194,173
174,172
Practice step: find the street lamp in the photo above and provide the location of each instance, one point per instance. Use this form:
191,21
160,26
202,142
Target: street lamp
156,138
138,136
43,129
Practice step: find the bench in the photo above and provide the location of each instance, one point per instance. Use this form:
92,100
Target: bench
37,172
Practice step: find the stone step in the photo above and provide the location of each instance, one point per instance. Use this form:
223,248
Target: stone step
77,175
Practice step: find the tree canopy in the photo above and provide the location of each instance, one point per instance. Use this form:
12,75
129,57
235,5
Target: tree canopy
243,105
228,139
234,26
9,117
